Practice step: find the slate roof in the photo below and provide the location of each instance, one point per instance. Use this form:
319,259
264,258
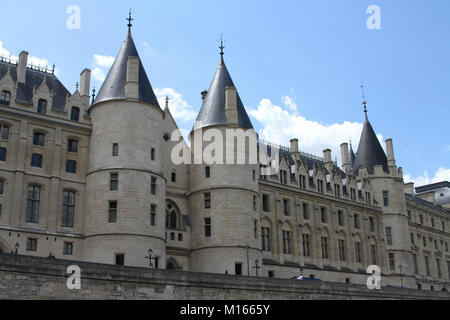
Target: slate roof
213,108
34,79
425,203
113,87
433,187
370,153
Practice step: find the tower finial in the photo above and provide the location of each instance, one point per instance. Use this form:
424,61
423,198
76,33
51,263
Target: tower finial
167,101
93,95
130,19
364,99
221,45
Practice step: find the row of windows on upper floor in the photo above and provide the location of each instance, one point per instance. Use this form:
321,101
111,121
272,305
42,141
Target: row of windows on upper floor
433,220
426,261
32,246
5,100
437,243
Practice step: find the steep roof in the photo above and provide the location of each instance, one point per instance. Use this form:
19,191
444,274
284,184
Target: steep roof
113,87
213,109
33,80
370,153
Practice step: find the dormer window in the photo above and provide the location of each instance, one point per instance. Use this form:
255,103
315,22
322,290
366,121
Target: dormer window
42,106
75,114
5,98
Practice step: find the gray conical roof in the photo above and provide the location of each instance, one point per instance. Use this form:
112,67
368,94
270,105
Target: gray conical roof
352,155
213,109
113,87
370,153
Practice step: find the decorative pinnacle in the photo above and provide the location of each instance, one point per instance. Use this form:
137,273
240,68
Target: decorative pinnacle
93,95
167,101
130,19
221,45
77,85
364,99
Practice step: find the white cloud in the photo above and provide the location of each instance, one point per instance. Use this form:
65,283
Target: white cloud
98,74
103,61
180,109
443,174
35,61
279,125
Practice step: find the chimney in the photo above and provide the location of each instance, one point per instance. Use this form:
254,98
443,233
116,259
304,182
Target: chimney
132,81
294,146
409,188
390,153
346,166
204,93
85,82
327,159
22,67
231,105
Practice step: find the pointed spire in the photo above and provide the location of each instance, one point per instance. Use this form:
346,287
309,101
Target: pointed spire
221,46
213,111
130,19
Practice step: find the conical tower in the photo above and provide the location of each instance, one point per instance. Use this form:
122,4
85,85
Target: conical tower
224,198
125,185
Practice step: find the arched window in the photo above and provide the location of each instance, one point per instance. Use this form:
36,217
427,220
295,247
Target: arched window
5,98
152,154
170,265
75,114
208,172
42,106
173,216
115,150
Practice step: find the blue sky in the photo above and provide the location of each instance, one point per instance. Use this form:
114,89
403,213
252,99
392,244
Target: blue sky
297,65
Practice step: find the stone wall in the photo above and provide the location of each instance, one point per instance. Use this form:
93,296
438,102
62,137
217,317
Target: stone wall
23,277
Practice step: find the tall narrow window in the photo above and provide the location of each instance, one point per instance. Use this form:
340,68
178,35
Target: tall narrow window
391,259
38,139
153,186
207,200
305,211
238,269
341,218
438,265
152,154
353,194
372,224
389,236
112,216
42,106
286,207
36,160
68,249
115,150
207,227
306,245
386,198
174,177
255,228
265,238
342,250
75,114
2,154
427,265
373,251
325,248
356,219
33,202
2,186
72,146
31,245
287,242
114,182
5,98
323,214
265,200
207,172
358,253
153,215
255,199
368,198
68,209
71,166
415,263
4,132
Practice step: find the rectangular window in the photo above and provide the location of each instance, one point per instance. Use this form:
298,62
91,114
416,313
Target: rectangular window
112,216
114,182
31,245
38,139
306,245
302,179
4,132
337,191
33,202
412,239
432,222
153,215
266,206
356,220
372,224
368,198
238,269
286,207
421,219
68,209
438,265
424,241
391,262
153,186
305,211
341,218
325,249
353,194
152,154
415,264
120,259
68,248
180,237
42,106
386,198
323,214
358,252
115,150
5,98
207,172
427,265
2,186
207,227
72,146
71,166
373,251
287,242
36,160
75,114
265,238
255,199
207,200
2,154
319,186
255,228
389,236
342,250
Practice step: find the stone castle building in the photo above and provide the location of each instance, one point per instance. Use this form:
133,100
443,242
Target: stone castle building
91,178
